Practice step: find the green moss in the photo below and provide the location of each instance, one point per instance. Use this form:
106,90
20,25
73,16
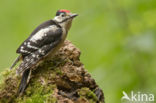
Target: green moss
4,76
58,71
38,94
6,73
88,94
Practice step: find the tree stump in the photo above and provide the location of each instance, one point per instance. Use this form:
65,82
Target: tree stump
62,79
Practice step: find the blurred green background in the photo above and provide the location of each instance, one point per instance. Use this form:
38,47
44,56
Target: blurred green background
117,39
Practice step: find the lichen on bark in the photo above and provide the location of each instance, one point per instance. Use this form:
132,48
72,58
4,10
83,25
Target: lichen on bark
62,79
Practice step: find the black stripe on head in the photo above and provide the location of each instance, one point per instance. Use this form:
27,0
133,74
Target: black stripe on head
58,13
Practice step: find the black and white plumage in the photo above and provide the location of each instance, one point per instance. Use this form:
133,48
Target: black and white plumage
43,42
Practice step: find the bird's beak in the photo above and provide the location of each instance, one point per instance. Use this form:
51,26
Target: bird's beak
73,15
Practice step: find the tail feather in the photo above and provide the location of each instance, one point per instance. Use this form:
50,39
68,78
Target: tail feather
28,62
16,61
24,81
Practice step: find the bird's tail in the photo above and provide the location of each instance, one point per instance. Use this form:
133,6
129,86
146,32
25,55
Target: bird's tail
24,81
16,61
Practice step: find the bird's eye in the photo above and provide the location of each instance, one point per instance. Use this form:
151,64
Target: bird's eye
63,15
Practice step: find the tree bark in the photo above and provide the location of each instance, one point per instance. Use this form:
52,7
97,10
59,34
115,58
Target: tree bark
62,79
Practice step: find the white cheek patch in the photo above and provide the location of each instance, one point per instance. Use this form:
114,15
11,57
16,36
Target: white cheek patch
58,19
42,33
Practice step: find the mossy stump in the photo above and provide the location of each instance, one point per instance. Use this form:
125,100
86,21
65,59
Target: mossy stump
62,79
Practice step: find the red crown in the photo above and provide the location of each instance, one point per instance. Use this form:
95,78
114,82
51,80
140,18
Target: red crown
63,10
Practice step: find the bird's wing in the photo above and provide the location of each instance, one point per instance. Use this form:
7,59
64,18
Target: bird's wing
27,47
44,34
33,59
38,46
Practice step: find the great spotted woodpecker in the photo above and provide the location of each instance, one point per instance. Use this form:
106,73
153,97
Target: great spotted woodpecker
43,42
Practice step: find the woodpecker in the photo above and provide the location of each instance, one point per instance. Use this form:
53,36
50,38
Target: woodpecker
43,43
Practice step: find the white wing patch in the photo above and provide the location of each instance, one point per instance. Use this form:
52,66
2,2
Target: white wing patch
42,33
24,51
42,51
30,46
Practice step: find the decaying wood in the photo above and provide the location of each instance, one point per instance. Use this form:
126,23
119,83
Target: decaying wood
62,79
